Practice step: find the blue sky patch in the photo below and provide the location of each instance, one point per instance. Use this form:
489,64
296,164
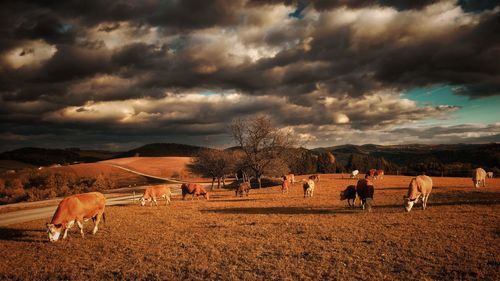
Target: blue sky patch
483,110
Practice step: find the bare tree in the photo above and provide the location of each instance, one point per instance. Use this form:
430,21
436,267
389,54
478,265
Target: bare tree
261,143
213,163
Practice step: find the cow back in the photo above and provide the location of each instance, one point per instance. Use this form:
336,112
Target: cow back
479,174
348,193
364,189
156,191
85,205
189,188
424,184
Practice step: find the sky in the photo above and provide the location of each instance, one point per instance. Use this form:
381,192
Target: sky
116,75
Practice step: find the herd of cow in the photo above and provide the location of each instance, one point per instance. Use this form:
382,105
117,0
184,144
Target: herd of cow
82,207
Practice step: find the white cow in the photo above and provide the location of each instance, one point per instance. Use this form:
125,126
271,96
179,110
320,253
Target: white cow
479,177
354,174
308,188
421,186
490,175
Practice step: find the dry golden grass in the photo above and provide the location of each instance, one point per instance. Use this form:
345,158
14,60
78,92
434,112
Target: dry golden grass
274,236
155,166
121,177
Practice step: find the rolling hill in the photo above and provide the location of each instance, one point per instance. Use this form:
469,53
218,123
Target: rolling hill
162,150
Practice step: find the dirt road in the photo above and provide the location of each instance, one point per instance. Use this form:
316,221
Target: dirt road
47,212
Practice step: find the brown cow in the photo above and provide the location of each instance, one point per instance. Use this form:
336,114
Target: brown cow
350,194
285,186
76,208
157,191
365,190
479,177
371,173
379,174
244,187
420,186
194,189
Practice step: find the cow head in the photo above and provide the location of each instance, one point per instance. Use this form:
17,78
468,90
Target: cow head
408,203
476,182
54,231
342,195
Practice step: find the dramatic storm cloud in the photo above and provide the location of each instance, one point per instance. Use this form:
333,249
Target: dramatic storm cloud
116,74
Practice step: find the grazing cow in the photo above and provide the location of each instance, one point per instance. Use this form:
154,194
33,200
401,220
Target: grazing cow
290,178
354,174
420,186
244,187
371,173
479,177
194,189
350,194
314,177
365,190
153,192
379,174
285,186
308,188
76,208
490,175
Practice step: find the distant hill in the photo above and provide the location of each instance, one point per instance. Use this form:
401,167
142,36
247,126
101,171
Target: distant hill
411,159
441,159
162,150
44,157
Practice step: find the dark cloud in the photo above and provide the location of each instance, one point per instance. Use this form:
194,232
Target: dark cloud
70,64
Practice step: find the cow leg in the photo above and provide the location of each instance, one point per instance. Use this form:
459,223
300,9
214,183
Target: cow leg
96,223
79,222
424,201
68,226
154,200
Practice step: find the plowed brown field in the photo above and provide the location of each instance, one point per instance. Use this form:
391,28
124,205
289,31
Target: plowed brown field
274,236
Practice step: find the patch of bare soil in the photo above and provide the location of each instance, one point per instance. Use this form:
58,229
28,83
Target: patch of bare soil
275,236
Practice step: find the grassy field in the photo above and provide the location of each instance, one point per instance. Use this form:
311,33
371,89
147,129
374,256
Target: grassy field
274,236
156,166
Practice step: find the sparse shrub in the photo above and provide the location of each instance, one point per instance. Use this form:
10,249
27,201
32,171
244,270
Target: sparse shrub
102,183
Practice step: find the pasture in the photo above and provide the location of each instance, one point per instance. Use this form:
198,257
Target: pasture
275,236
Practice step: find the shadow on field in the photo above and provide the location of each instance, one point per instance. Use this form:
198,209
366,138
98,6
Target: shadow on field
12,234
236,200
465,198
392,188
455,198
273,210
